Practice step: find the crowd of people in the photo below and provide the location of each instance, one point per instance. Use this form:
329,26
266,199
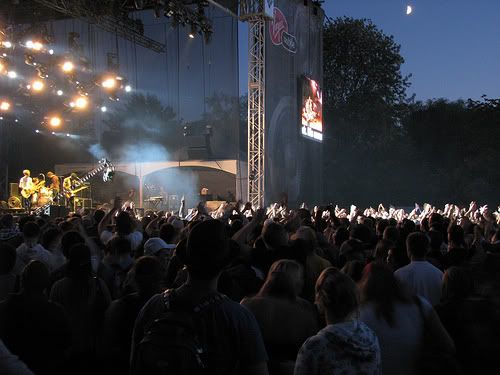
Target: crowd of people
251,291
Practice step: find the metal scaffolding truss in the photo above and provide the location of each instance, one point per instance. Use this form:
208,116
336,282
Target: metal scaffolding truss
123,27
252,12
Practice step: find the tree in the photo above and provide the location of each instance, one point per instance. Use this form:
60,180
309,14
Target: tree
140,121
364,101
364,87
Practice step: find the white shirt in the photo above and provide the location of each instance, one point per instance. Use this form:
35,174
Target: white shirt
37,252
26,182
423,279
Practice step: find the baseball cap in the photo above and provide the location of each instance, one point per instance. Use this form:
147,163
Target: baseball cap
154,245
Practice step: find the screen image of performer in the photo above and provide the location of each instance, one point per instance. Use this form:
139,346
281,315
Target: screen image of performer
54,184
69,187
26,186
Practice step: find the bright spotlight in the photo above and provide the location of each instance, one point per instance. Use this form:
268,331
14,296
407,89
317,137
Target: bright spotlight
128,88
53,133
55,121
51,51
37,85
81,102
37,131
68,66
109,83
37,46
7,44
4,106
67,135
12,74
60,92
29,44
104,108
191,35
72,104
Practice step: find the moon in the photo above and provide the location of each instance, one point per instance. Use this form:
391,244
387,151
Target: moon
409,10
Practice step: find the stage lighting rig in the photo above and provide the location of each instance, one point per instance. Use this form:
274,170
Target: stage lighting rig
37,85
109,83
67,66
55,121
80,102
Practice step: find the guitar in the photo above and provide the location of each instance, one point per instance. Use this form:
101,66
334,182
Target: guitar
104,165
26,193
71,193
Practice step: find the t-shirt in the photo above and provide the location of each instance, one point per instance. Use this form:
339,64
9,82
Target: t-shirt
231,334
423,279
285,324
399,343
36,330
7,285
25,254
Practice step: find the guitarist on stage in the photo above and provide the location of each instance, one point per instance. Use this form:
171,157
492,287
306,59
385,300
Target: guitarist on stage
69,185
27,189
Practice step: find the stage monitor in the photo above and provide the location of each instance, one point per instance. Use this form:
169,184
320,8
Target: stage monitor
311,106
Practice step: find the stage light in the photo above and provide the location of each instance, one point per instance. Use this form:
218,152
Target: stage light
81,102
109,83
60,92
51,51
6,44
72,104
34,45
37,131
12,74
37,85
191,35
55,121
128,88
104,108
4,106
67,135
68,66
53,133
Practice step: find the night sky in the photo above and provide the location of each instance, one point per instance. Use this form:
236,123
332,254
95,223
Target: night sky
452,47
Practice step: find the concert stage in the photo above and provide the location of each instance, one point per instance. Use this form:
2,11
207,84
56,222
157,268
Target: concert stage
169,180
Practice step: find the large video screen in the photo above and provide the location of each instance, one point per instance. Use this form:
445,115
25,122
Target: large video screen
312,109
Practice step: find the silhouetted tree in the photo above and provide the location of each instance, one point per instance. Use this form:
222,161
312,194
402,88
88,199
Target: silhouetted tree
141,119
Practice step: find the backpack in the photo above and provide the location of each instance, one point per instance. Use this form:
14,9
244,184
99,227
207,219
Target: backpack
171,344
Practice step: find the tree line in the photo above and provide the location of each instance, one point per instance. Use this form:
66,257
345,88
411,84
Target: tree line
383,146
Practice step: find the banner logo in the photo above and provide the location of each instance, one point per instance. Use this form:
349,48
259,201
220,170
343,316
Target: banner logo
278,31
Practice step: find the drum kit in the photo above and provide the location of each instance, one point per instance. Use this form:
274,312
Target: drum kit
40,197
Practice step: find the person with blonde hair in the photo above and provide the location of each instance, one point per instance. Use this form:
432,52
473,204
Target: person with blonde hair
346,345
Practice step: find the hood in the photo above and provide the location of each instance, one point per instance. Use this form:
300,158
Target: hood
354,338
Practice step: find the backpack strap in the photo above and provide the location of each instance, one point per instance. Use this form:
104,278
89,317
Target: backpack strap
170,295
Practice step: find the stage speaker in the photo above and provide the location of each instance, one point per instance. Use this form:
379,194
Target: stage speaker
14,190
56,211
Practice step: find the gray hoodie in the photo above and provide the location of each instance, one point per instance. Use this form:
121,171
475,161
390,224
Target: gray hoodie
344,348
